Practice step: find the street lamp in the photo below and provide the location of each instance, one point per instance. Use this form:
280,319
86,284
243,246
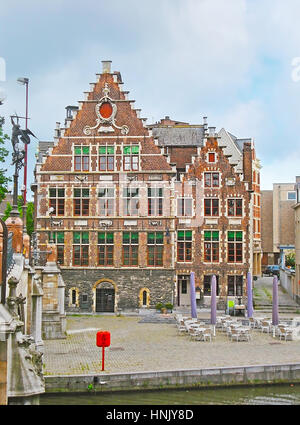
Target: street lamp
25,81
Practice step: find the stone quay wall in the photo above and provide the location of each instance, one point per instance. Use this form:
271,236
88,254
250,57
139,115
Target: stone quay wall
212,377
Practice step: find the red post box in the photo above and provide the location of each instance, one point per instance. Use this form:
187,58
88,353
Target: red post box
103,340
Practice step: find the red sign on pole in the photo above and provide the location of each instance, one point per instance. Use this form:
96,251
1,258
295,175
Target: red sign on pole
103,340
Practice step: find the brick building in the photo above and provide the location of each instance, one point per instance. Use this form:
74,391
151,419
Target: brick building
133,209
278,217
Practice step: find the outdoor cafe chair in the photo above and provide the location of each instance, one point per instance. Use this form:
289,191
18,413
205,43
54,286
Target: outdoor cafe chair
288,334
178,317
228,331
244,335
207,333
234,335
265,327
252,322
181,327
280,332
196,334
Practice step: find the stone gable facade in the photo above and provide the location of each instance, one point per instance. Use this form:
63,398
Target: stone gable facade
131,215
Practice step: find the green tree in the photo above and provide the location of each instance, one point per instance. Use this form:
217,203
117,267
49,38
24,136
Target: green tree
29,218
29,213
4,180
290,259
7,211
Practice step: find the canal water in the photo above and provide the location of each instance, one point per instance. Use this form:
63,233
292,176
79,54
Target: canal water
259,395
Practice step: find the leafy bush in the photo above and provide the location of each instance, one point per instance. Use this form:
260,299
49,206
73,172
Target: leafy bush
159,306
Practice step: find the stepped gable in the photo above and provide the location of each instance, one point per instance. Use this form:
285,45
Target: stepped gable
106,116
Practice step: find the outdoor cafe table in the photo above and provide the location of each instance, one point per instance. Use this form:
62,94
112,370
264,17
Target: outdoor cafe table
239,308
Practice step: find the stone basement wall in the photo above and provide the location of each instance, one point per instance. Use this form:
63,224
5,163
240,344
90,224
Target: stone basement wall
128,285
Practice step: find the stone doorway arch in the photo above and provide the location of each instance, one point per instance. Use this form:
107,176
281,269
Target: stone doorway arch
104,296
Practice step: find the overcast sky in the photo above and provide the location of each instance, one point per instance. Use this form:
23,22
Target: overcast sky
234,61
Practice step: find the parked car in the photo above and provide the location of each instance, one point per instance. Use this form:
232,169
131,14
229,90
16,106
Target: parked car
272,270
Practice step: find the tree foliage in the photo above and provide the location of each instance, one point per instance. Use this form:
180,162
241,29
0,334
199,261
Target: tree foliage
290,259
29,213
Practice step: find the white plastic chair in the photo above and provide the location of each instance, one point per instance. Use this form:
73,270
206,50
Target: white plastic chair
265,327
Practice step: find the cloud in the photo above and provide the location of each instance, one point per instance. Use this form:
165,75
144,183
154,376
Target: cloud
229,60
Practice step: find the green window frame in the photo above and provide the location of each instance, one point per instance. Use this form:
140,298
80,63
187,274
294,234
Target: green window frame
235,246
81,201
106,158
184,245
130,248
81,158
105,248
80,248
211,246
155,248
131,157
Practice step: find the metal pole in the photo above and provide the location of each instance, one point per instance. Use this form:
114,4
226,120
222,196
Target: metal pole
4,261
103,357
25,158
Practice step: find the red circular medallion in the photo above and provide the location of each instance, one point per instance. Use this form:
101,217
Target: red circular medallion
105,110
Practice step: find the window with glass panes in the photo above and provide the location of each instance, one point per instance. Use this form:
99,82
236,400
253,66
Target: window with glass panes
106,197
155,201
211,246
184,245
155,247
207,285
81,201
130,200
81,158
235,246
235,207
57,200
184,207
105,248
80,248
131,158
211,179
234,285
211,207
106,158
59,239
130,248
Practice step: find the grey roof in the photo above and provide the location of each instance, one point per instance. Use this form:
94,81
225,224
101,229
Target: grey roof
239,142
179,136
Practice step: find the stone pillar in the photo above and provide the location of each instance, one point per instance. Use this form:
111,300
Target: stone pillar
53,322
37,308
15,225
61,303
6,328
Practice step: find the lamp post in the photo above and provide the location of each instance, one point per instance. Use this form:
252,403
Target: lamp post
25,81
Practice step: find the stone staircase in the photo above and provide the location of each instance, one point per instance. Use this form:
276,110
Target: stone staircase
282,308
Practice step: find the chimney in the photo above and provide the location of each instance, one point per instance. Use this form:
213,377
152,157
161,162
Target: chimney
57,129
106,67
212,131
247,163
